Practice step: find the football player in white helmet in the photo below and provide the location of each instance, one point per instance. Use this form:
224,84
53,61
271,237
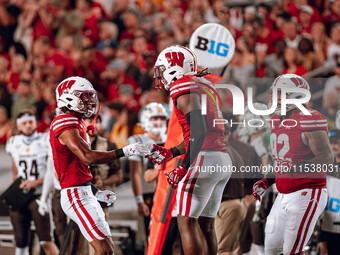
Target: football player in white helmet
299,148
153,119
72,157
199,192
29,152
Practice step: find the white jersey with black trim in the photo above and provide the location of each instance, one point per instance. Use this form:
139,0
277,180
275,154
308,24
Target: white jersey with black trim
143,139
30,155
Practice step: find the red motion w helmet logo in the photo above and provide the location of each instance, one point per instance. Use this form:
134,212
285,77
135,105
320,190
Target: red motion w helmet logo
65,85
175,58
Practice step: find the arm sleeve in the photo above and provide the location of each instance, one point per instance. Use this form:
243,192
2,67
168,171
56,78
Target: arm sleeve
115,164
198,131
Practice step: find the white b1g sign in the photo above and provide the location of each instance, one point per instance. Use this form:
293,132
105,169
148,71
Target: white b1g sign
213,44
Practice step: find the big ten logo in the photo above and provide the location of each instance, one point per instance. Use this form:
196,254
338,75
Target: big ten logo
333,205
211,46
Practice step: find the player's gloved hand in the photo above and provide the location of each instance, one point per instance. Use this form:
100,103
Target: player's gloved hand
106,196
136,149
42,207
176,175
259,188
161,155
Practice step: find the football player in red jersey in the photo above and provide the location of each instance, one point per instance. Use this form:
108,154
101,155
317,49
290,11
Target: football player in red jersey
302,152
72,156
199,190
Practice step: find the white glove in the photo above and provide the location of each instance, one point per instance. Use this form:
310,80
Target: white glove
136,149
106,196
43,207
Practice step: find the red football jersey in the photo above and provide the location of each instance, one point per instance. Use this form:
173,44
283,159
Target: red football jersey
287,146
70,170
214,140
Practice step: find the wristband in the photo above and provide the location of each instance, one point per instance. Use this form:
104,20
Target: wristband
139,199
119,153
175,152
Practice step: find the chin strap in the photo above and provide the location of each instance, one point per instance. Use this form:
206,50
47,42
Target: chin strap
92,126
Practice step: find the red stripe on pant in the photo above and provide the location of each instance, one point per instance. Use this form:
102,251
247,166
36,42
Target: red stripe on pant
184,186
192,185
310,219
303,223
88,216
78,214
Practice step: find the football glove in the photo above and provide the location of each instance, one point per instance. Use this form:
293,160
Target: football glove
161,155
259,188
176,175
43,207
106,196
136,149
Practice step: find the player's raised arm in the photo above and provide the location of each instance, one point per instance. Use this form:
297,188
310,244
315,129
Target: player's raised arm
72,139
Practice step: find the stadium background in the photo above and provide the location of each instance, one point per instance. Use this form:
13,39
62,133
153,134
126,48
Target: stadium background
114,44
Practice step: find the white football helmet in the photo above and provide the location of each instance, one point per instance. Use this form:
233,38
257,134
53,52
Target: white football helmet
257,122
173,63
77,94
287,81
153,110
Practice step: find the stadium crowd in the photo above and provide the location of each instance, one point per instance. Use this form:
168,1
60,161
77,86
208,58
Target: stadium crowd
114,44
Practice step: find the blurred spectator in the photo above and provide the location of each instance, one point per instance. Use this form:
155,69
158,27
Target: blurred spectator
274,62
116,78
292,62
291,36
305,19
332,86
50,62
309,59
239,69
40,17
8,21
18,67
69,21
132,69
70,53
25,98
332,14
260,52
108,33
333,50
91,17
148,12
320,41
124,127
140,47
243,45
92,65
6,127
5,99
17,48
131,24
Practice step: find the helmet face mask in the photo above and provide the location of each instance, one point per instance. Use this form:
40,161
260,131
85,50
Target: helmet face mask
158,79
77,94
173,63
